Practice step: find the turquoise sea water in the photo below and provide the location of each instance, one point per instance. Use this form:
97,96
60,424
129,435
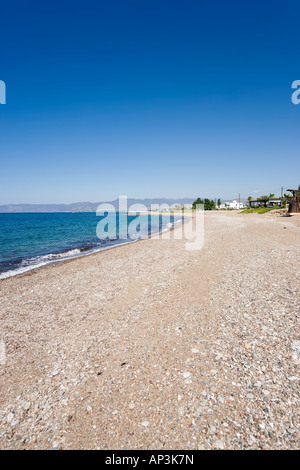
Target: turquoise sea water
30,240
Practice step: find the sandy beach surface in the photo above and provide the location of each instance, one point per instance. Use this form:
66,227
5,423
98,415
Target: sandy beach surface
151,346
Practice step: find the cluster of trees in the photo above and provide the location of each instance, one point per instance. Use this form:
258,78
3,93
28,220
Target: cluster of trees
207,203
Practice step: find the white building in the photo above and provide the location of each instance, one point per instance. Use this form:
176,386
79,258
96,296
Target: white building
236,205
232,205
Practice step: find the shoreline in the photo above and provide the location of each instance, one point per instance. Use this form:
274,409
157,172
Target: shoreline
85,252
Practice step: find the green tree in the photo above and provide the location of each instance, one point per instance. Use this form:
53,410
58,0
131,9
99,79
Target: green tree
264,199
208,204
198,201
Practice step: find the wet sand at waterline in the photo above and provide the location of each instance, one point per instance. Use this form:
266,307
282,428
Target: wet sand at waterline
152,346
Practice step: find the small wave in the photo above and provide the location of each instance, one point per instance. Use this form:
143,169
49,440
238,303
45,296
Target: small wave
38,261
50,257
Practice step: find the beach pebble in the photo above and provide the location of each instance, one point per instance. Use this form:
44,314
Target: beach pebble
10,417
296,345
219,444
186,375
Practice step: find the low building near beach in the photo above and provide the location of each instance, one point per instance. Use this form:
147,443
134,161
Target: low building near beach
236,205
261,202
232,205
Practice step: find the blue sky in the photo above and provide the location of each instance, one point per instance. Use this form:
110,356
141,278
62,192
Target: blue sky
148,99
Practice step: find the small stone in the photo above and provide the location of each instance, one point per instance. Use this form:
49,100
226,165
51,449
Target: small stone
14,422
219,444
9,417
26,405
201,447
195,350
131,405
186,375
145,424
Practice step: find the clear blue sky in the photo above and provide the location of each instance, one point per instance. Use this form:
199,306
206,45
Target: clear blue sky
148,99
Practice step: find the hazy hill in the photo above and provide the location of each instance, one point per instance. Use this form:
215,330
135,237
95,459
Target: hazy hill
86,206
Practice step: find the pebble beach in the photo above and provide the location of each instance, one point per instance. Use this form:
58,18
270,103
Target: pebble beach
152,346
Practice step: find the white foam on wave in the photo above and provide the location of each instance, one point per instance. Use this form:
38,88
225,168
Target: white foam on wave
37,262
21,270
50,257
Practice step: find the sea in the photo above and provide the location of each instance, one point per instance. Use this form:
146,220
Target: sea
32,240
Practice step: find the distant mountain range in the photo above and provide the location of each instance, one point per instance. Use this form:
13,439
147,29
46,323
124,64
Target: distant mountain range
87,206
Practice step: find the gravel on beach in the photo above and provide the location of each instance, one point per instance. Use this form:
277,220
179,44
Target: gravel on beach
152,346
